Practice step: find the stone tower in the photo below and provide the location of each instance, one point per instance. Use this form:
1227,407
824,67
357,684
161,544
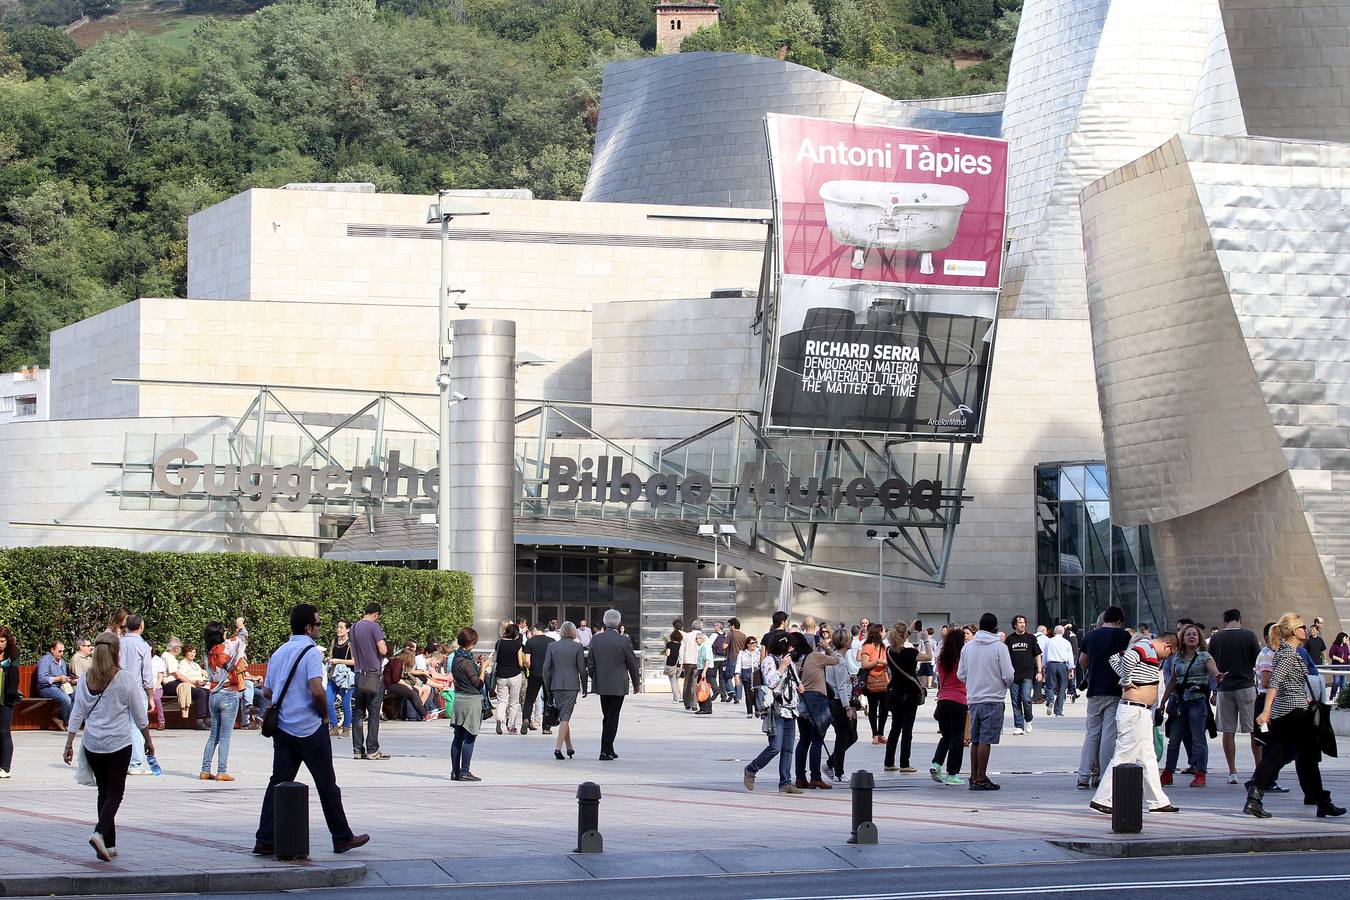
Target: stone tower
676,21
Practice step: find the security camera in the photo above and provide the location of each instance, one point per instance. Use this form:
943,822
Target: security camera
458,397
462,304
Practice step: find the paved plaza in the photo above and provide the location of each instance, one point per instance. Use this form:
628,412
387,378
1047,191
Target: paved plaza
676,789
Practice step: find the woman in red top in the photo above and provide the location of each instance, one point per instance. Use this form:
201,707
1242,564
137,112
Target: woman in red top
950,712
872,668
225,681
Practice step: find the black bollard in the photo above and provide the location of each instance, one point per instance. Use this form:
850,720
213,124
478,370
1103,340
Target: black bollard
589,839
864,829
1127,798
290,833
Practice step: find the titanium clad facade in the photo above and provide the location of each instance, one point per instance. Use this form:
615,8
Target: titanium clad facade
1093,84
1218,274
688,129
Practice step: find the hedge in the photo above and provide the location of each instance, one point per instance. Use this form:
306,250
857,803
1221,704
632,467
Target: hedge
51,593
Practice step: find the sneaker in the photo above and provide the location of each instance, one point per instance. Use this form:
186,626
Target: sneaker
1096,781
1029,729
985,785
907,770
1083,785
1100,807
893,768
1018,731
468,776
1232,778
1169,808
1276,789
935,772
101,849
4,774
1198,780
953,779
1165,777
140,771
789,788
513,731
748,779
378,754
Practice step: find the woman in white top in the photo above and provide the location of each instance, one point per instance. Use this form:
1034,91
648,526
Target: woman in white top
103,700
747,664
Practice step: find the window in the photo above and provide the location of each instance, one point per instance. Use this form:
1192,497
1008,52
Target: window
7,405
677,24
1083,562
25,406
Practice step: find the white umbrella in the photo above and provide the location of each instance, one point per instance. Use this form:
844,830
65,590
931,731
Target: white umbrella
785,589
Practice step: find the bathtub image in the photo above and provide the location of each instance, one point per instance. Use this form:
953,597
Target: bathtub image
867,214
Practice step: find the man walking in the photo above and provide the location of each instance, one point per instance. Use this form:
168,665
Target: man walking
735,644
1235,650
987,671
295,683
1059,668
1139,669
368,650
136,658
612,664
689,662
1028,670
1103,693
535,650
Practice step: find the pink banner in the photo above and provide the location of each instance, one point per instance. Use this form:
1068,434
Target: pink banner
869,203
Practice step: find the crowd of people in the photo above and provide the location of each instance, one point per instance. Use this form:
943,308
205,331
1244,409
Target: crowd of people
1148,697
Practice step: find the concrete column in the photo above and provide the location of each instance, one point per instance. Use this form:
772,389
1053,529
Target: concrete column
482,467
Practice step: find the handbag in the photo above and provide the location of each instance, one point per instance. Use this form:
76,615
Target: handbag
369,683
552,715
703,692
923,691
83,774
270,720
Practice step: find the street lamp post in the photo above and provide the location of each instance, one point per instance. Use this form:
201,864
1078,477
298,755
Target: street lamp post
881,537
717,533
442,211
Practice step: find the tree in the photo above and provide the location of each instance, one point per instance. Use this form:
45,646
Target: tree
42,51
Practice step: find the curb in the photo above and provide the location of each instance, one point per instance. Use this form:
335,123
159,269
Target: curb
322,875
1282,843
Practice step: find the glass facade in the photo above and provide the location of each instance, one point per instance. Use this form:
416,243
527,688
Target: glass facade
570,587
1083,562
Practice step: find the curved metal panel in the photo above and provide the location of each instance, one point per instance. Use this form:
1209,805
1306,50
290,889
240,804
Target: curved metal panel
1218,109
688,129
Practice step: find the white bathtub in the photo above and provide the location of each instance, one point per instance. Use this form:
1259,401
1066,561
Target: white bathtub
867,214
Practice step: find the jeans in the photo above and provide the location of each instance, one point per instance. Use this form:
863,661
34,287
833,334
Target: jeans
1134,744
610,705
903,709
1021,692
336,693
1337,685
461,751
137,745
951,719
1100,740
366,710
224,712
508,699
1056,683
110,774
1190,727
316,752
810,743
782,743
54,692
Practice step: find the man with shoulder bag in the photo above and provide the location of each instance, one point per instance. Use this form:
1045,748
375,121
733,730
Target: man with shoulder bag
369,650
295,721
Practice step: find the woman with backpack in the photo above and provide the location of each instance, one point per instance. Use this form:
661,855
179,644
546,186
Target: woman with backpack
905,696
781,687
872,663
225,682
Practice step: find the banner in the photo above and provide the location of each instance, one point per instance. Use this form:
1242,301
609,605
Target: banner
890,252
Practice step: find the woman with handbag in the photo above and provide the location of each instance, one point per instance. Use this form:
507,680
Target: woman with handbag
104,699
1293,717
906,695
341,680
1186,700
564,677
747,674
781,684
872,663
843,707
225,682
813,710
466,716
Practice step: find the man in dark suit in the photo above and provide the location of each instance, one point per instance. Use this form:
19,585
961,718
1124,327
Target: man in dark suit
612,665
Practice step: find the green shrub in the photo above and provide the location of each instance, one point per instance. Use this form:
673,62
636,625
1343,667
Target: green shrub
49,593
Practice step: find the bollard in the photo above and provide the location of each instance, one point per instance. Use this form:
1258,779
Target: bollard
1127,803
864,829
589,839
290,832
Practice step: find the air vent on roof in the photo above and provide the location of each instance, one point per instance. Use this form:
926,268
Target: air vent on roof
731,293
346,187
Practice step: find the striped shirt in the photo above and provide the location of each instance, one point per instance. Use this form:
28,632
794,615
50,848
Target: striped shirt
1138,665
1289,680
